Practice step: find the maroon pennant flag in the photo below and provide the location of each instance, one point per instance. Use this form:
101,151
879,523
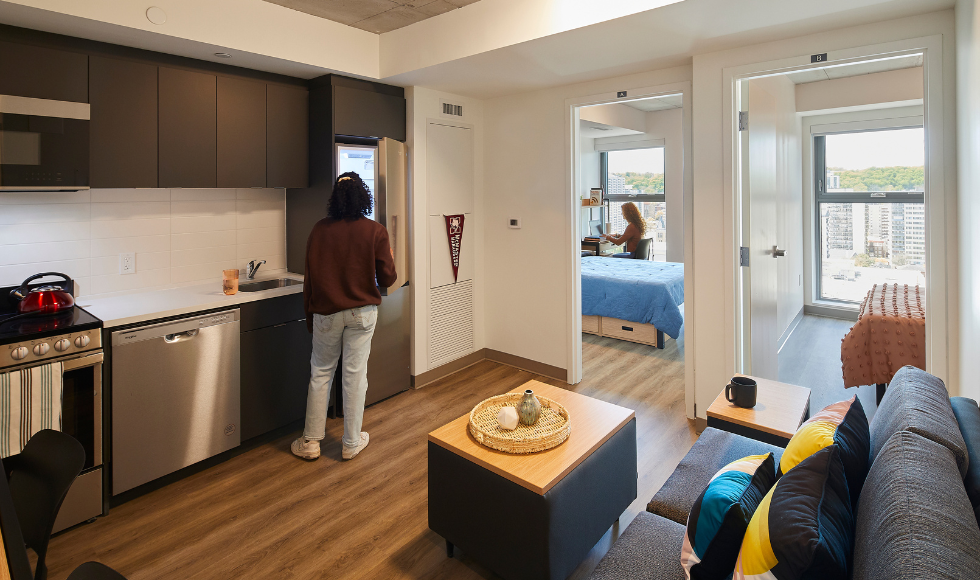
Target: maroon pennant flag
454,229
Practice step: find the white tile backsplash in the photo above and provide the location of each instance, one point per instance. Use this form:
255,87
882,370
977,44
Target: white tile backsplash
178,235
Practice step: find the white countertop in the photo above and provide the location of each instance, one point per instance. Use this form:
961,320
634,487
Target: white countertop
123,308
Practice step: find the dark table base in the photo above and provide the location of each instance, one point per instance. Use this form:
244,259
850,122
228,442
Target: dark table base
520,534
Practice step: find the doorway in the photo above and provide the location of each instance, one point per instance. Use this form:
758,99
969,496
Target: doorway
630,153
833,199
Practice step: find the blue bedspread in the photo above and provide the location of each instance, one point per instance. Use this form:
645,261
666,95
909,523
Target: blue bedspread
634,290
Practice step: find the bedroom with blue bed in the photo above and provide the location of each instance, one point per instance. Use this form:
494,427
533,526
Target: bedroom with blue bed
629,299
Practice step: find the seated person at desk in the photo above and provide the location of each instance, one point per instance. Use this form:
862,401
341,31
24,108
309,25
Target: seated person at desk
634,231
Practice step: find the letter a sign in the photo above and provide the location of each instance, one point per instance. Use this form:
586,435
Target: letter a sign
454,229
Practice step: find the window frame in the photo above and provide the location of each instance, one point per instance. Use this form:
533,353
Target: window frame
606,148
818,134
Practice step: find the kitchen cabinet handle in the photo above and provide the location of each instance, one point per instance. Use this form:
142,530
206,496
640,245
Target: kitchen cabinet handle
180,336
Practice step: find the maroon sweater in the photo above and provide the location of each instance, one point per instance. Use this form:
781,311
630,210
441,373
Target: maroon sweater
343,260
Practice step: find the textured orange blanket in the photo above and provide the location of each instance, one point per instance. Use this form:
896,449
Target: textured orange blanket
889,334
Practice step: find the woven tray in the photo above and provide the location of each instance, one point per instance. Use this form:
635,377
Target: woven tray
551,429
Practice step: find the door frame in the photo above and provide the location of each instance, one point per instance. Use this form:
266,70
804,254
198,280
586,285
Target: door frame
573,233
939,237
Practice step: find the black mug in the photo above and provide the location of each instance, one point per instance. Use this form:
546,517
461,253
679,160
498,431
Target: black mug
742,392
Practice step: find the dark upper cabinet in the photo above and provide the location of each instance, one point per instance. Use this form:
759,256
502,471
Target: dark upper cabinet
188,128
43,73
368,114
287,136
241,133
123,130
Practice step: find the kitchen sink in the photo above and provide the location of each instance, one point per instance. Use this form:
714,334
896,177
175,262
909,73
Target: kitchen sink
268,284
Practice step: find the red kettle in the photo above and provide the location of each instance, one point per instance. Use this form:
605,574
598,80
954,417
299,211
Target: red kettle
44,299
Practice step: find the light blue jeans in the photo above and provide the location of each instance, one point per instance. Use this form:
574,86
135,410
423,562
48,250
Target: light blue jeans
350,332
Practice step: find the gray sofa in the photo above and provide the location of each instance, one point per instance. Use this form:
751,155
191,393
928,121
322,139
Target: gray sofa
914,517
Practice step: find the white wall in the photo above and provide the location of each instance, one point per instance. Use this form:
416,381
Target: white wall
179,235
424,105
714,349
789,204
968,138
838,95
589,177
527,277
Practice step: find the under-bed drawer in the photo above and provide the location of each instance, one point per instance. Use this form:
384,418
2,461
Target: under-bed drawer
590,324
626,330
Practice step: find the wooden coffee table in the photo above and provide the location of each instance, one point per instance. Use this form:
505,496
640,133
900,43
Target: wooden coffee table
779,411
535,515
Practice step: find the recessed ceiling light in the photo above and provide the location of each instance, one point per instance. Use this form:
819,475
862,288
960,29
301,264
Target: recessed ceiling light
222,55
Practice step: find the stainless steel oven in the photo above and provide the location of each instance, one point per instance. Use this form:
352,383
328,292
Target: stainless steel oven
81,357
44,144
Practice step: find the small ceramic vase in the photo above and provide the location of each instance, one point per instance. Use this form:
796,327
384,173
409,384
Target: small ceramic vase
529,408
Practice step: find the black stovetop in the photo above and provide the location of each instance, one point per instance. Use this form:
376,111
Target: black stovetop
42,325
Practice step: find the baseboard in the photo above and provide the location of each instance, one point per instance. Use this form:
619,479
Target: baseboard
789,330
431,376
527,364
831,312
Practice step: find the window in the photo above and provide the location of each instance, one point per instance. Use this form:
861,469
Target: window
637,175
870,188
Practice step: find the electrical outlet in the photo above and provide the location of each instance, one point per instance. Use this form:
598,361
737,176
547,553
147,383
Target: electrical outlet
127,263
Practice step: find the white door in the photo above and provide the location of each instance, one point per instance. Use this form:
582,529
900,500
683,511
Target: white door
759,225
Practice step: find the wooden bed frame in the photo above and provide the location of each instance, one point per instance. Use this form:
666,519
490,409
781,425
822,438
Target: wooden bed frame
624,330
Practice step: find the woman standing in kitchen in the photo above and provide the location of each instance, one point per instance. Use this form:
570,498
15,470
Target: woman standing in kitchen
347,258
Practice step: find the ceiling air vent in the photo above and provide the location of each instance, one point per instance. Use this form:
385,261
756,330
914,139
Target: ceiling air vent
451,109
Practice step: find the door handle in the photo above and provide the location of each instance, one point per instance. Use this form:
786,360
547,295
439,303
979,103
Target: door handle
180,336
777,253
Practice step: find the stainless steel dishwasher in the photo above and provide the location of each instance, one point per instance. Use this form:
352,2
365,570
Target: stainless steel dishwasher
175,396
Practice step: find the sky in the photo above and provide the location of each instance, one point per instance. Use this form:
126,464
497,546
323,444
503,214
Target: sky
901,147
637,161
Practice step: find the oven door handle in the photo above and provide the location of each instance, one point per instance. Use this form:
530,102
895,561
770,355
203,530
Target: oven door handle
83,361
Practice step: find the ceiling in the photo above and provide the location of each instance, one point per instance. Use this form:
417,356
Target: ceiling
854,70
593,130
377,16
656,39
658,104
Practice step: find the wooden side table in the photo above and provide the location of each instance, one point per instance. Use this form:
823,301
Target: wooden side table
779,411
534,516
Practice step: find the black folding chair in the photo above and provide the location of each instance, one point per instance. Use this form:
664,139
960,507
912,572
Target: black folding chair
39,478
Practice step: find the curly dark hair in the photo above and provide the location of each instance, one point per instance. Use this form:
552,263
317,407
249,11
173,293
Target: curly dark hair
351,198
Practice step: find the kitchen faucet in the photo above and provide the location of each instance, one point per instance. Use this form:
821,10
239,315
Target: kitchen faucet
251,268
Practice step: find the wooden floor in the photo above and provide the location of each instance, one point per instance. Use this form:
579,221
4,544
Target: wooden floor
811,358
266,514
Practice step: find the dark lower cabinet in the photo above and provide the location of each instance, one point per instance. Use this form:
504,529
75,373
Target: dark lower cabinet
275,376
241,133
123,130
188,128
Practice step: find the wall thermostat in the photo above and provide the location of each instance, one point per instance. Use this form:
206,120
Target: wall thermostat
514,223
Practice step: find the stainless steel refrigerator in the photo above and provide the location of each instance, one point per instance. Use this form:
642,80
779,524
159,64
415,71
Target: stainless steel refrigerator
384,167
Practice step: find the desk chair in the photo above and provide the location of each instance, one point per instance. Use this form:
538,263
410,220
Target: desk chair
39,478
642,251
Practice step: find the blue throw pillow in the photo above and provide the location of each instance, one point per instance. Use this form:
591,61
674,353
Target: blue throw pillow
717,522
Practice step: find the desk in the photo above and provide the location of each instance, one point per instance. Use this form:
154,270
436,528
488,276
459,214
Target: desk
602,247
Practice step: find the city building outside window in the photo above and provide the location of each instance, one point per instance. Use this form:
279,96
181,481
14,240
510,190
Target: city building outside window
870,197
